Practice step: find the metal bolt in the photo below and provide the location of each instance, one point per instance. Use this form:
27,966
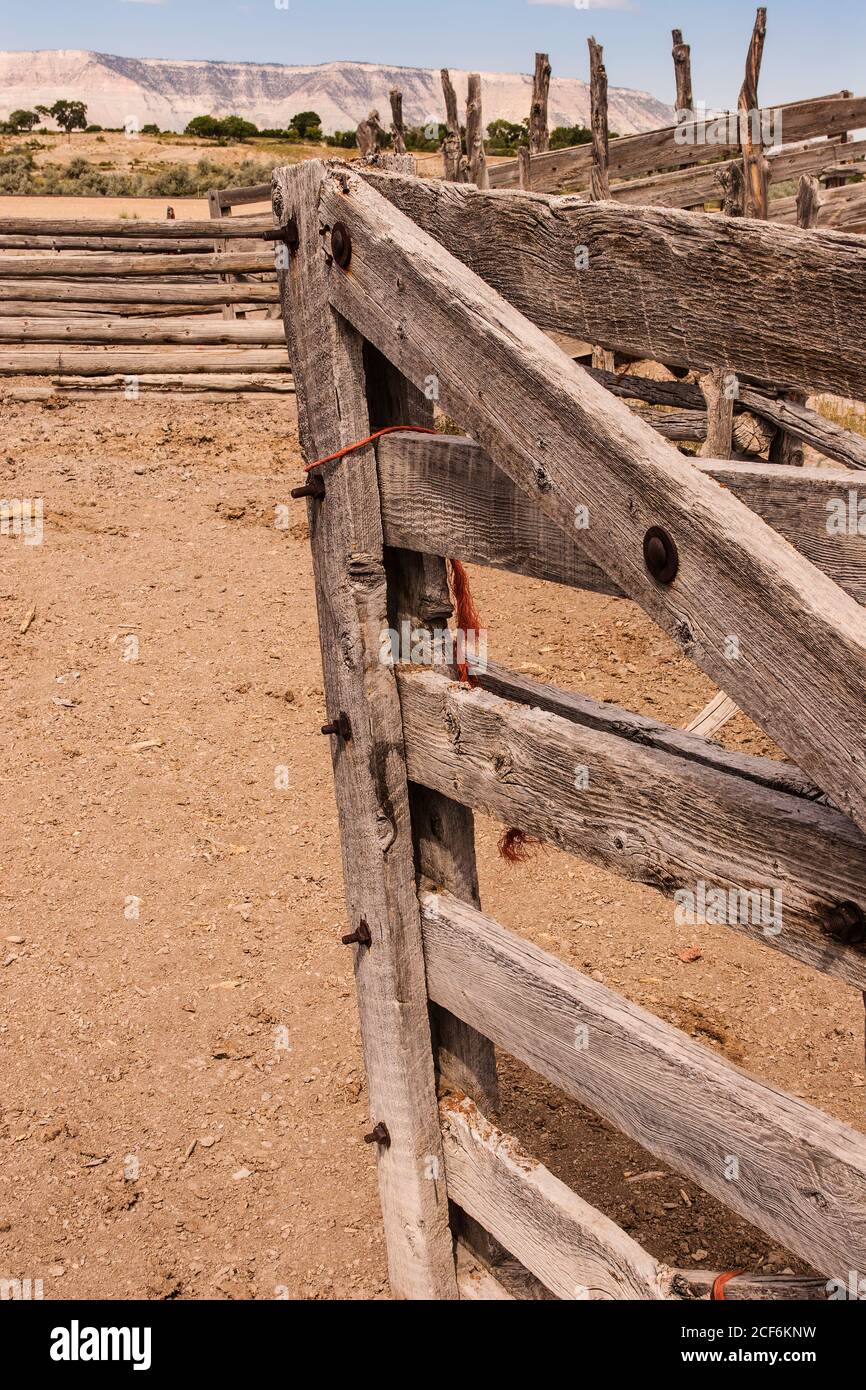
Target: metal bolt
314,488
288,234
339,726
845,922
361,937
378,1135
660,555
341,245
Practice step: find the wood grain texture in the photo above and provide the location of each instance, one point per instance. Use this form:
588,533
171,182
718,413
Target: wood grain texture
645,813
569,1245
260,333
142,292
802,639
369,770
69,361
673,148
443,491
663,284
539,134
802,1175
128,264
133,230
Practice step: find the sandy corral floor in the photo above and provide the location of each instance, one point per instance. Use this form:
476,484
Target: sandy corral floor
182,1096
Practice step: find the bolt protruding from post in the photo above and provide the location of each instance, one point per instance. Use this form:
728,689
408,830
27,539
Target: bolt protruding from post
362,936
314,487
378,1135
339,726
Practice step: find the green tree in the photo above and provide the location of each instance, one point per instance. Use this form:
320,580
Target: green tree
22,120
506,135
69,115
236,128
308,124
563,136
206,127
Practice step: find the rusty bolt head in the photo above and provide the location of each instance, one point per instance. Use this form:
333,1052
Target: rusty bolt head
845,922
378,1135
361,937
660,555
339,726
288,233
313,487
341,245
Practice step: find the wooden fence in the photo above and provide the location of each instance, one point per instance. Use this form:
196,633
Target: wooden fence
186,306
441,283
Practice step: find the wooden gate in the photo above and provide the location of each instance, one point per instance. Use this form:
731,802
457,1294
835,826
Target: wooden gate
400,292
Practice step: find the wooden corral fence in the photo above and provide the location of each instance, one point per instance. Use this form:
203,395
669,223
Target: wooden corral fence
396,285
115,305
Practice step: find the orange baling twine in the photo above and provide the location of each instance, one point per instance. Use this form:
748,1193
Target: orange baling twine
719,1284
514,845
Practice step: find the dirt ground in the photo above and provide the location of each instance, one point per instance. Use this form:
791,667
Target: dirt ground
182,1100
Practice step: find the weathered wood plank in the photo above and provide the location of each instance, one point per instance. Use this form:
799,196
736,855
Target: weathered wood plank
116,227
369,768
801,1175
662,284
569,1245
140,331
753,1288
142,292
127,264
476,1284
648,814
801,639
673,147
444,492
69,362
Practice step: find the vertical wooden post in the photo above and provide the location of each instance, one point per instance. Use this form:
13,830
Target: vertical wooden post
733,186
786,448
682,55
524,166
369,766
368,134
755,167
720,415
475,133
215,209
453,159
539,135
398,130
600,182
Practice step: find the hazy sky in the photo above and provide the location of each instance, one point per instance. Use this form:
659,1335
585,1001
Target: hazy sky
803,55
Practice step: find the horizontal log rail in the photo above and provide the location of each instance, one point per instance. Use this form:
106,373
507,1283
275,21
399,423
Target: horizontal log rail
673,147
801,1174
227,383
141,331
201,230
648,813
441,493
68,361
122,264
239,197
57,292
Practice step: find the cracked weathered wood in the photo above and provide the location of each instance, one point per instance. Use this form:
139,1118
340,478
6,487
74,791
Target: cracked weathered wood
539,135
599,182
787,448
369,769
682,56
475,133
455,167
443,492
398,130
572,1247
801,1174
802,639
635,155
369,133
661,283
651,815
720,414
755,170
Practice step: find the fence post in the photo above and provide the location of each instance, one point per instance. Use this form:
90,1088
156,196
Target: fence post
682,55
755,167
539,135
398,130
363,705
475,133
455,168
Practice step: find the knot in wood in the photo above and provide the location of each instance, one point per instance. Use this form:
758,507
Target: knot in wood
451,720
541,478
503,764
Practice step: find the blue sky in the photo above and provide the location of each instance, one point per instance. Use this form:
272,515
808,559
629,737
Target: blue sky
802,55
